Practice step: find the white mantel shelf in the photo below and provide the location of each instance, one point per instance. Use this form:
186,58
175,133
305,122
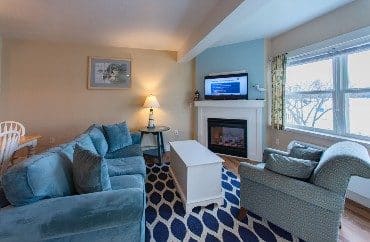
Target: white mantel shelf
250,110
231,103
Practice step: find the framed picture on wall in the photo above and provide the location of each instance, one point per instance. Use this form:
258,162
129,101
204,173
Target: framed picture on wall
109,73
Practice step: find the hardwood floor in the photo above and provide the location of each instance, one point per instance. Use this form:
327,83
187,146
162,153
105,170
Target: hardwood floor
355,219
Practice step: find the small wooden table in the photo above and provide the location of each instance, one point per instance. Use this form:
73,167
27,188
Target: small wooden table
158,132
29,141
197,173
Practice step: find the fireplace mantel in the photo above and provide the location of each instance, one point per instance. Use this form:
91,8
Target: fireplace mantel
250,110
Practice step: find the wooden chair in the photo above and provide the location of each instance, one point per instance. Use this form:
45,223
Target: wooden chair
9,142
12,125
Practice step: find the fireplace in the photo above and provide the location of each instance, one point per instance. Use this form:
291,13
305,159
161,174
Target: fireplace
228,136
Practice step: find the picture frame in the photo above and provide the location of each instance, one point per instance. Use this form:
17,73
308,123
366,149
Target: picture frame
108,73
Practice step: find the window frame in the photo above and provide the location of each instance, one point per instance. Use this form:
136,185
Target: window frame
341,88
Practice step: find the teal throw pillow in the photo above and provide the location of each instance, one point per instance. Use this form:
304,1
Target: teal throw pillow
99,141
290,166
118,136
90,171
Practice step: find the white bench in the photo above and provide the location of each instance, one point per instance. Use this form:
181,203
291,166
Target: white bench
197,174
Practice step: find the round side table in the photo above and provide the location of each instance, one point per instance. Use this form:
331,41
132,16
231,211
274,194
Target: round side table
158,132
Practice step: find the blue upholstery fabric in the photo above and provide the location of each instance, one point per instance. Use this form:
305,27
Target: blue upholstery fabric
117,135
136,138
90,172
128,151
3,201
47,175
126,166
305,152
289,166
83,140
76,217
114,215
310,210
99,141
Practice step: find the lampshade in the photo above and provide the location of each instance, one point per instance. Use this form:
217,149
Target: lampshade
151,102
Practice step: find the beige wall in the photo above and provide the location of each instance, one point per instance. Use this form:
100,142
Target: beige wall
44,86
348,18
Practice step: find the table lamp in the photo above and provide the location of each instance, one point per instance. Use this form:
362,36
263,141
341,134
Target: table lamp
151,102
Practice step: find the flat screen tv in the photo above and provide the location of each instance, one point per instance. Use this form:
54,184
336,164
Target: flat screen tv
227,86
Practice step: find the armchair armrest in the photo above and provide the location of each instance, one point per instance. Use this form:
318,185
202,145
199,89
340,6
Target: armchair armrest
296,188
58,217
269,151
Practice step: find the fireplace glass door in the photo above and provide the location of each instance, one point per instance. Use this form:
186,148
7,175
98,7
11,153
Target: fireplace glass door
228,136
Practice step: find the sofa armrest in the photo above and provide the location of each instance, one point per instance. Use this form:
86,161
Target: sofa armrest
136,138
269,151
63,216
299,189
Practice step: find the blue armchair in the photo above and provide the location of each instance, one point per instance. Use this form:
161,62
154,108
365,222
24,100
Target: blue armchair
308,209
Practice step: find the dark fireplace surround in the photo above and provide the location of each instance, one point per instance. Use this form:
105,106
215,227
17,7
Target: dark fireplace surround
228,136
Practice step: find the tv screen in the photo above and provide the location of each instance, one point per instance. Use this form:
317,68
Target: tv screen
228,86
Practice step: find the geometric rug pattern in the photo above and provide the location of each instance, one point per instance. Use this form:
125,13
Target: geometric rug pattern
166,219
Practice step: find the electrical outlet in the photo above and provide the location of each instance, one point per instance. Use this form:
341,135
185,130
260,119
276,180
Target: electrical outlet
277,141
52,140
176,132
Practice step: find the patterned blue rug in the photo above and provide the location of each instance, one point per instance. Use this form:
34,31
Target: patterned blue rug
166,219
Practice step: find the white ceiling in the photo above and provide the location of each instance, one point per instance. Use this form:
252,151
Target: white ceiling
255,19
186,26
147,24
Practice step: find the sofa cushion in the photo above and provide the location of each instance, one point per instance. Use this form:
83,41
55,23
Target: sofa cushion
47,175
127,166
83,140
3,201
128,151
97,136
305,152
289,166
118,136
127,181
90,171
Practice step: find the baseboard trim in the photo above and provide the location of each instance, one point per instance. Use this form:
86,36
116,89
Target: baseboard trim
364,201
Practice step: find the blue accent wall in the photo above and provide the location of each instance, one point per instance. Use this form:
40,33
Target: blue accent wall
249,56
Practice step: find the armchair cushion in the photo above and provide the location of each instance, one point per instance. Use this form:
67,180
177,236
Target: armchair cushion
301,151
118,136
289,166
90,172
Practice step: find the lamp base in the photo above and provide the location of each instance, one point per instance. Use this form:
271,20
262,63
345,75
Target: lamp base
151,124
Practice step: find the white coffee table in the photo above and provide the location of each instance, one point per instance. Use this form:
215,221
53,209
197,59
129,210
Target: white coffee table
197,173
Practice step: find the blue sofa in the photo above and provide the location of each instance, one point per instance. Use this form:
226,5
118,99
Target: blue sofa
45,207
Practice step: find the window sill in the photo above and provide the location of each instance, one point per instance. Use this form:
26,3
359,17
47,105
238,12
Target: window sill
329,137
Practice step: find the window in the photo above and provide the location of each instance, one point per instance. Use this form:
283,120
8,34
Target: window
330,93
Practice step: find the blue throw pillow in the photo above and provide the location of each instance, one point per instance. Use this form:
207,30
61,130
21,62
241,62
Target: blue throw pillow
90,171
83,140
290,166
98,140
305,152
118,136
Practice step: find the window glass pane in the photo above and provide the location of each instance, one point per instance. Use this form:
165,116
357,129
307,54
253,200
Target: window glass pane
309,110
310,76
359,69
358,113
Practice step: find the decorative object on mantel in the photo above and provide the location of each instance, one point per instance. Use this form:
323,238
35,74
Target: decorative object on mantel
109,73
151,102
196,96
260,89
278,71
